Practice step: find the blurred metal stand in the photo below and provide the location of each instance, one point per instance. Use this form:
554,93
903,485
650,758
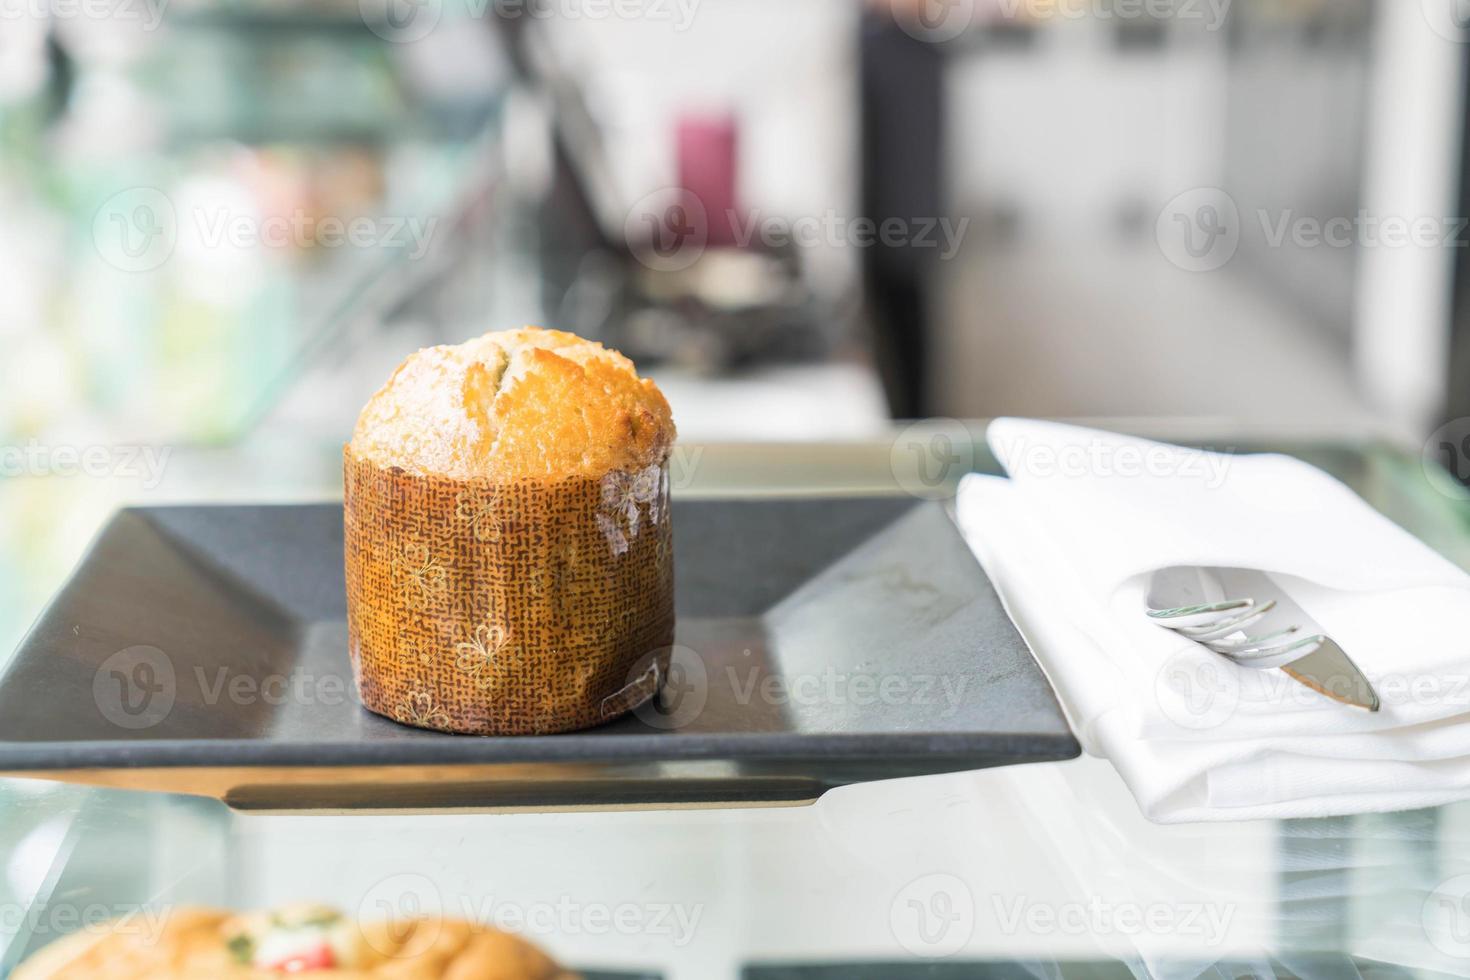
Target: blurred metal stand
902,95
1456,458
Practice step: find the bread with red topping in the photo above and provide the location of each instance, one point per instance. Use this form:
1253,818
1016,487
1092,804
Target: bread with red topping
301,941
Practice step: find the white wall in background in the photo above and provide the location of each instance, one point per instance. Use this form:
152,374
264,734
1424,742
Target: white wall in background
1068,129
1412,171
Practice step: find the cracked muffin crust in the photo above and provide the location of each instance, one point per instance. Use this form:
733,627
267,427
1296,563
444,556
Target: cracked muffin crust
516,403
508,537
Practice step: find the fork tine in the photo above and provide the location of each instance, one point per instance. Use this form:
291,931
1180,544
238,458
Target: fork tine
1248,646
1280,655
1230,624
1201,615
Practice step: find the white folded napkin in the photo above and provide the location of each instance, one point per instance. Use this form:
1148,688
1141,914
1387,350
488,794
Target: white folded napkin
1069,539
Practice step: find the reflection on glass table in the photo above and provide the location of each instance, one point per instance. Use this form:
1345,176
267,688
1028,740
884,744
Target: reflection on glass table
1033,871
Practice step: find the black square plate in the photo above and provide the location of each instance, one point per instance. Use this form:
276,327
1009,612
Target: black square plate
821,642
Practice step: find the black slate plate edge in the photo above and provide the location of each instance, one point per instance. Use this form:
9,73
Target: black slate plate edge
435,748
470,750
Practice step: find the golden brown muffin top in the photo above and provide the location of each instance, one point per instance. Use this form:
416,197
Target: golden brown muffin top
516,403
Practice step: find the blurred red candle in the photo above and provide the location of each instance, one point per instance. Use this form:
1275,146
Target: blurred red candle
706,152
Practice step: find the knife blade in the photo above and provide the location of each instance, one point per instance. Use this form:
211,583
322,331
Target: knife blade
1325,668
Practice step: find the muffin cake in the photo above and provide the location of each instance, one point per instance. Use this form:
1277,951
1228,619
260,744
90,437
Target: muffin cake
508,543
308,940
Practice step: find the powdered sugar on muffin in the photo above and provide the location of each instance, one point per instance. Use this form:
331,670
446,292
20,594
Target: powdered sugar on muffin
516,403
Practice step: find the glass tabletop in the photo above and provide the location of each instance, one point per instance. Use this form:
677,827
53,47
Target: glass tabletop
1044,870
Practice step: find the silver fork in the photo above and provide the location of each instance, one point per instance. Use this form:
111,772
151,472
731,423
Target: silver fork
1217,606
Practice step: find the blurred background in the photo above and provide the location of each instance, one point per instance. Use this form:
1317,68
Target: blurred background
225,221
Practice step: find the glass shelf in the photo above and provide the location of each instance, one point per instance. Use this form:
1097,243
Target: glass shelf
1037,856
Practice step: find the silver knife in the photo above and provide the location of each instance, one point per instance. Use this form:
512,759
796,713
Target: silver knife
1259,625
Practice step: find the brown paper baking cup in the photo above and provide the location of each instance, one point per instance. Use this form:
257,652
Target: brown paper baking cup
507,608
